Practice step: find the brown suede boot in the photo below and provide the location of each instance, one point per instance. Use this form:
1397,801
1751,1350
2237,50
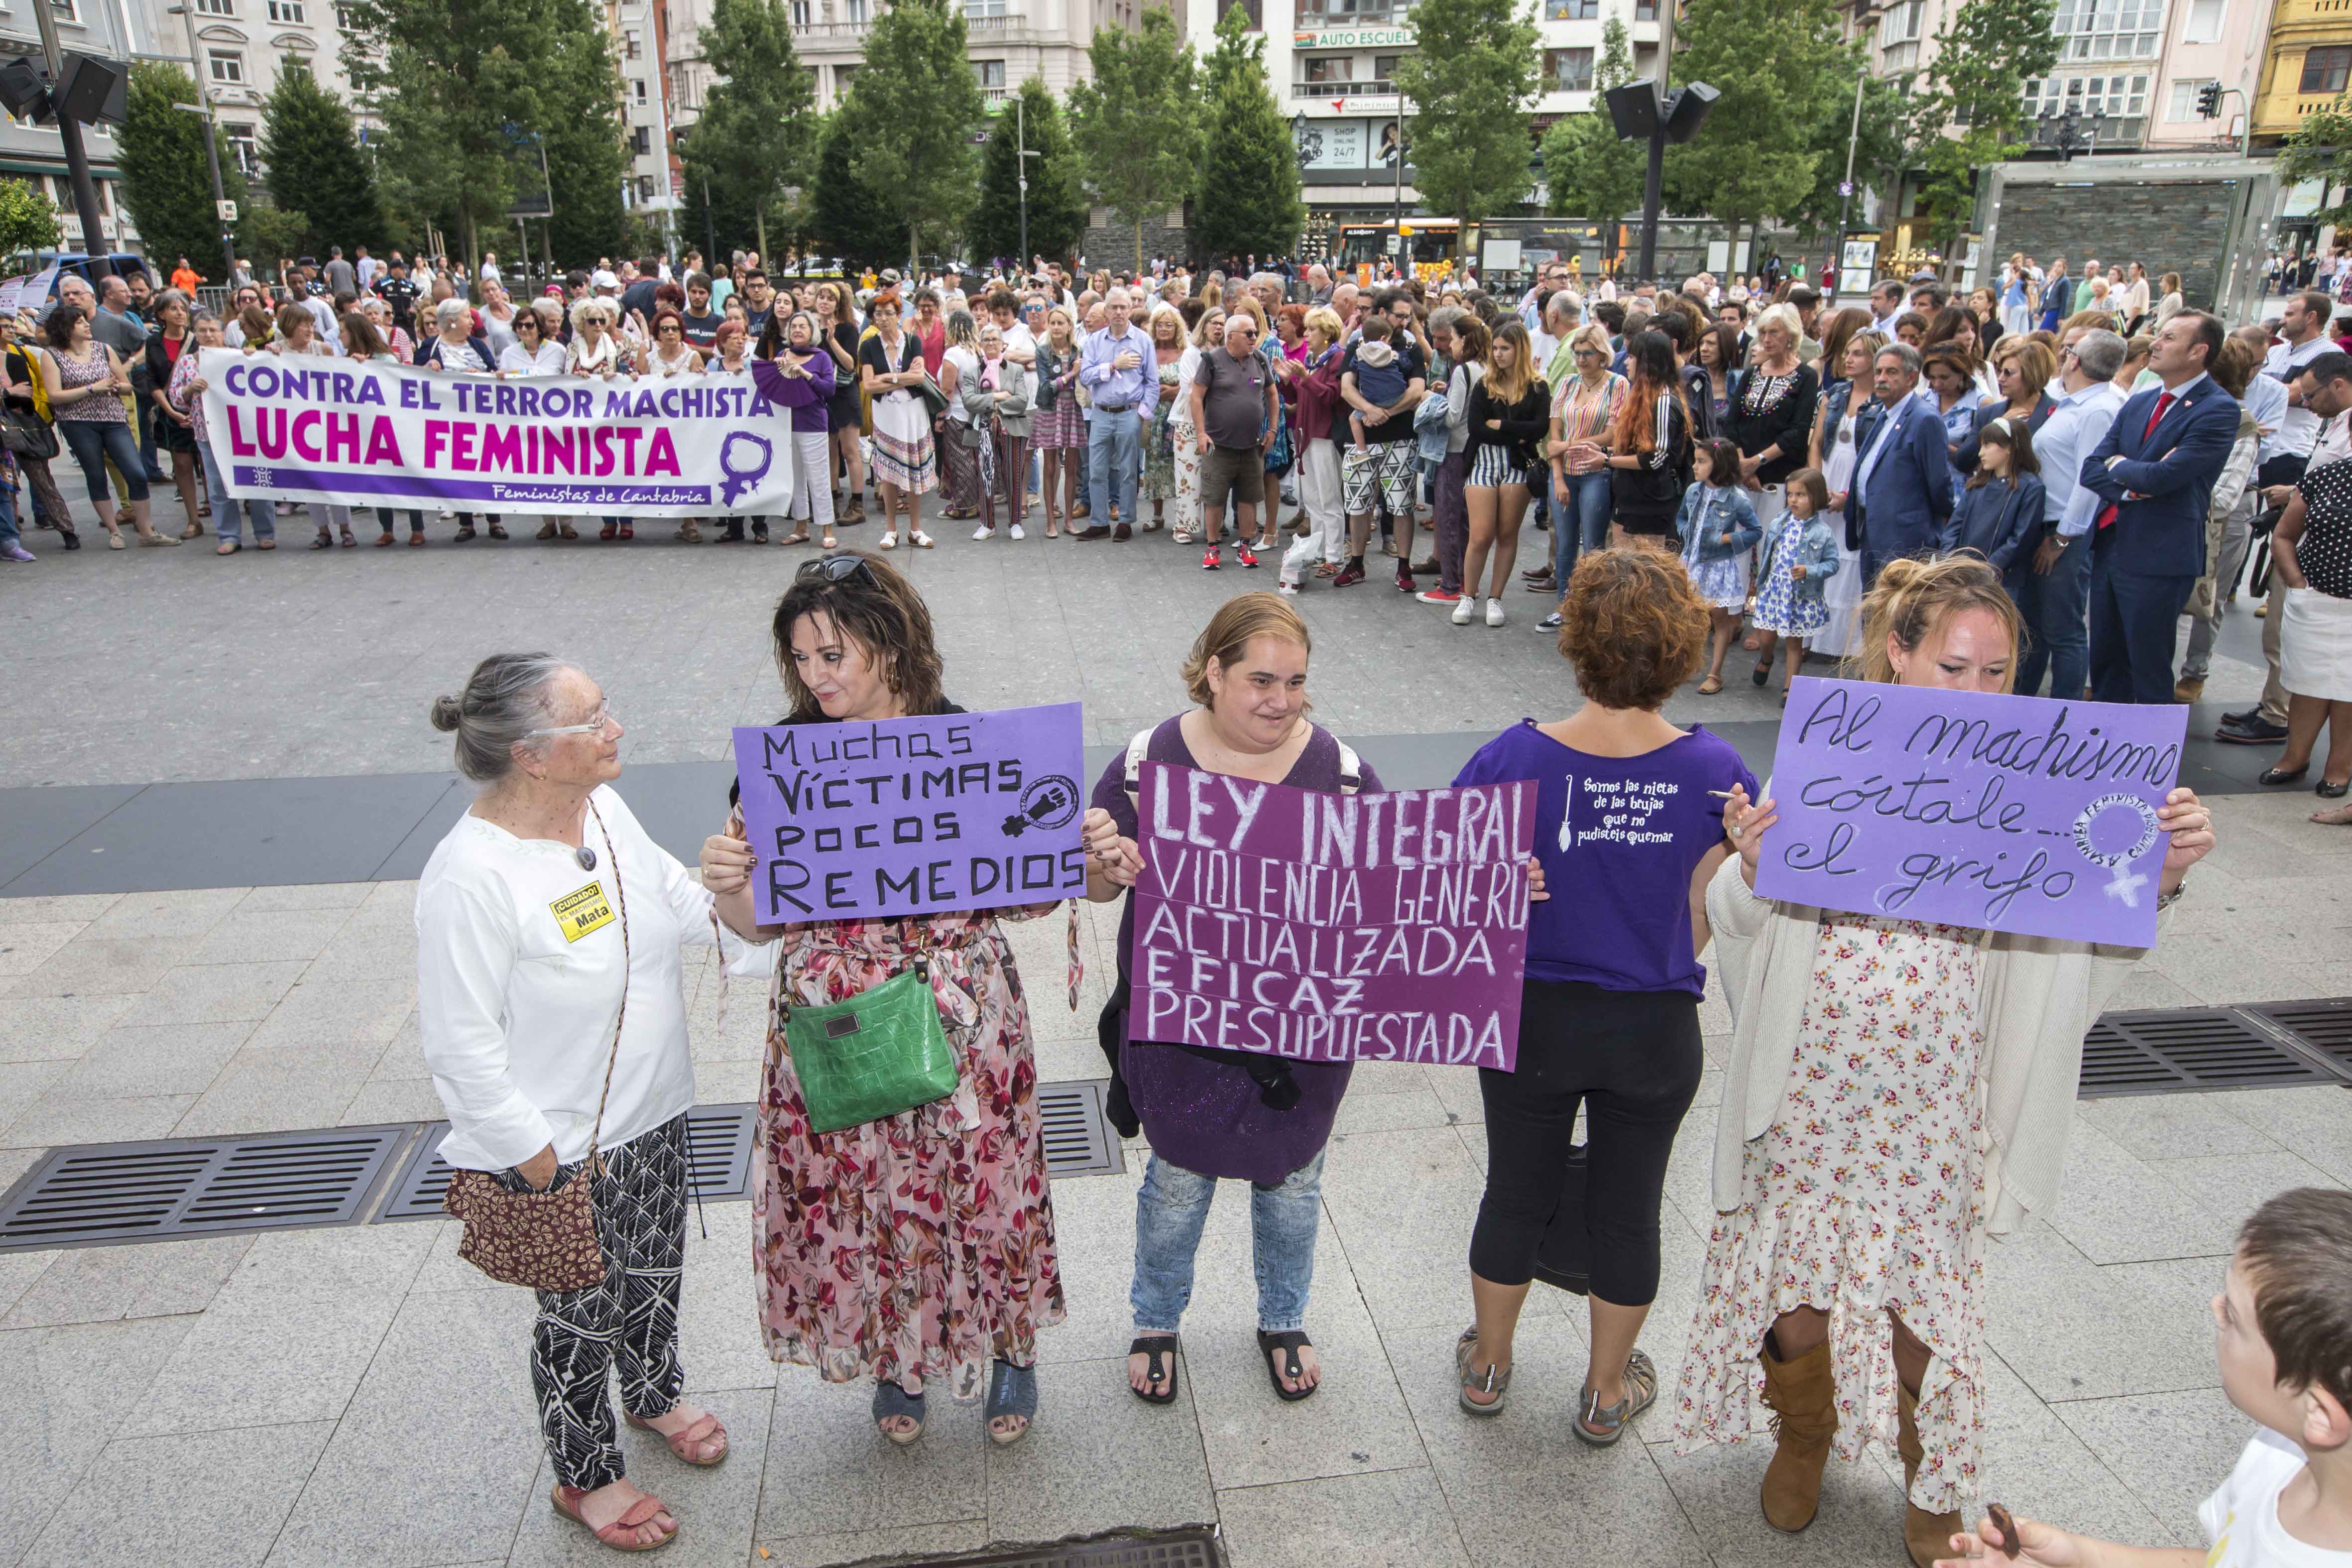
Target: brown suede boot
1927,1535
1803,1396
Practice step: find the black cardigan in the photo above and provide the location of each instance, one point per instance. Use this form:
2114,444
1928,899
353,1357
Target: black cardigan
1525,423
1788,424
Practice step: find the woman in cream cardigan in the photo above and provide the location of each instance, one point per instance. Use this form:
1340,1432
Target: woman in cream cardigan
1896,1091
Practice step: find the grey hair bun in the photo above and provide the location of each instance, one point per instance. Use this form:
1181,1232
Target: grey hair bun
447,714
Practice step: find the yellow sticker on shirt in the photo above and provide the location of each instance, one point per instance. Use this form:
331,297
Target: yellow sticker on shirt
584,911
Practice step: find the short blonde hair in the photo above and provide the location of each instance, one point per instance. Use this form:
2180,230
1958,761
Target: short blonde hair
1591,335
1783,316
589,305
1227,636
1324,319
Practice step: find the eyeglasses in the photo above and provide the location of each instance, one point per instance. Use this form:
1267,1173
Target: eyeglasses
834,569
602,722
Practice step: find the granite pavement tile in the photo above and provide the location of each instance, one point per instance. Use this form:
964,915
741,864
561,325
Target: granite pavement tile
180,913
212,1499
81,907
830,1473
149,1059
2114,1208
1357,1420
24,948
306,896
331,1261
2171,1450
715,1508
2075,1331
259,936
1390,1518
259,1361
337,1010
58,1119
67,1390
55,1028
2315,1123
2159,1127
920,1542
1076,1471
216,992
275,1090
93,965
149,1279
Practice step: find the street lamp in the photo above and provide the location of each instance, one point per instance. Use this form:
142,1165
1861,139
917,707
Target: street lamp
1869,18
1021,156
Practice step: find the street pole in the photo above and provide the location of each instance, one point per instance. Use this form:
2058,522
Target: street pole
1402,251
93,235
1845,191
203,106
1654,183
1021,167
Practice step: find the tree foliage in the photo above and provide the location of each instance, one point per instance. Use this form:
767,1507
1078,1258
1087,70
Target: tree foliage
314,164
459,85
166,182
1249,169
1882,140
1470,81
1770,61
757,134
849,217
578,116
2321,149
1973,110
913,106
1137,121
1058,198
28,221
1589,171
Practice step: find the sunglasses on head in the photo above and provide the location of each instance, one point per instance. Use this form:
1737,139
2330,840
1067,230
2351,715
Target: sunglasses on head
834,569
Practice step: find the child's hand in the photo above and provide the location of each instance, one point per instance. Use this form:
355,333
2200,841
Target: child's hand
2038,1546
1798,572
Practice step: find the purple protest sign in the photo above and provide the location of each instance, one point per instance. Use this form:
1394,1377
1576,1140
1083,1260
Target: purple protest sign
1330,928
961,811
2029,814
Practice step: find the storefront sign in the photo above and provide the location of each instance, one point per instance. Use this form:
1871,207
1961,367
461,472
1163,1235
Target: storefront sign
1334,143
1355,38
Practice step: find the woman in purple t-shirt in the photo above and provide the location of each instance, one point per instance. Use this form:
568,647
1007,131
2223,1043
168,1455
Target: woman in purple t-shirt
1213,1114
1629,827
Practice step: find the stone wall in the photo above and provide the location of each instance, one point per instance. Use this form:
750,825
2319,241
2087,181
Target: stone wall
2170,226
1110,244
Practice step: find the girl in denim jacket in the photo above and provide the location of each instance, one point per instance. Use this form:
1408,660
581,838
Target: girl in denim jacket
1799,557
1719,528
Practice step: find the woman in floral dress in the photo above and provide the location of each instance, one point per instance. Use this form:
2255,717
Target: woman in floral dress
1160,443
919,1246
1896,1091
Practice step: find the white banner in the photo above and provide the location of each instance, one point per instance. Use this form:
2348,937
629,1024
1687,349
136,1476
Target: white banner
339,430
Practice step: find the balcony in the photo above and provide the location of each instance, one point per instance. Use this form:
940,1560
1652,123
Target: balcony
2086,133
822,33
1310,90
1322,18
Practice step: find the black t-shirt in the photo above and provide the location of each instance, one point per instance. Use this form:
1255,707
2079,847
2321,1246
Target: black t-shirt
1413,366
400,293
701,330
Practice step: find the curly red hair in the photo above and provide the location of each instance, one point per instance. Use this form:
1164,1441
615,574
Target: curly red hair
1633,625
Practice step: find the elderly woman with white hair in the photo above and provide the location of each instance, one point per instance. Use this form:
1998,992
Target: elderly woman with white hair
538,350
1771,413
597,350
455,347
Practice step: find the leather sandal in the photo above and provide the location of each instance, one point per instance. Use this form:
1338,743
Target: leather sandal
1496,1380
565,1500
687,1444
1600,1424
1159,1368
890,1400
1011,1392
1290,1341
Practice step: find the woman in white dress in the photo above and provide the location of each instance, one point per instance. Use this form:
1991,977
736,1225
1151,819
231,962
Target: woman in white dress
596,350
1896,1091
1848,349
671,356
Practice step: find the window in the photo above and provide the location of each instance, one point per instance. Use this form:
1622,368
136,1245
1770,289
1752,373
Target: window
243,145
1568,70
2325,70
1571,10
841,75
65,10
1384,66
347,19
1645,61
2183,102
288,11
2108,29
637,87
2118,96
227,68
632,46
216,9
803,13
641,140
1329,67
644,187
990,74
984,10
853,13
2204,22
1646,10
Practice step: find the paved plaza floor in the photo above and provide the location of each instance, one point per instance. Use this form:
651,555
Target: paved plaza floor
359,1396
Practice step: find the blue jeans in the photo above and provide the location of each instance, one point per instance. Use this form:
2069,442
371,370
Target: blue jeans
9,534
1087,468
226,521
1169,1210
1113,447
2056,611
92,443
1579,522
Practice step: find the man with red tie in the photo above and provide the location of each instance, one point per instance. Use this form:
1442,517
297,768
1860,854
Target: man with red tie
2154,470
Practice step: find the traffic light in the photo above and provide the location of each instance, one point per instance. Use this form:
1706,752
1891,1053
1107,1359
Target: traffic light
2209,100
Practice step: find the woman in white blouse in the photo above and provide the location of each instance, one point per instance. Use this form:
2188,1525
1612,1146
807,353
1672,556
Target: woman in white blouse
538,350
545,908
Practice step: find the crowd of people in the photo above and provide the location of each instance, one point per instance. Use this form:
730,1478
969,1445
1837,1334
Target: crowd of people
1896,1092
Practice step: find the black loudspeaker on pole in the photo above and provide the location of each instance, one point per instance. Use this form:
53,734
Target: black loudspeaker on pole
1641,115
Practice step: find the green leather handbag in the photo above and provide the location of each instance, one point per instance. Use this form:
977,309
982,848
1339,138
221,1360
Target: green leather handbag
878,1053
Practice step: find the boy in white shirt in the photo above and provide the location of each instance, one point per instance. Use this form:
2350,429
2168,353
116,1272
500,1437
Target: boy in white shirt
2285,1343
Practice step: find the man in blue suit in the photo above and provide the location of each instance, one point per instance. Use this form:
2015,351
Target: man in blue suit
1902,491
2153,473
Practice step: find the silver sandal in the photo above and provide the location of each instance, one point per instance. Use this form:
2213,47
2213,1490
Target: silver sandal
1602,1426
1496,1380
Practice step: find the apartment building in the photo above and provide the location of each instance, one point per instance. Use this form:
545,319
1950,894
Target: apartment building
33,152
641,32
242,46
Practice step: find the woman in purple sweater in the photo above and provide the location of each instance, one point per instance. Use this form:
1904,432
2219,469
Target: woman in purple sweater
1213,1114
798,372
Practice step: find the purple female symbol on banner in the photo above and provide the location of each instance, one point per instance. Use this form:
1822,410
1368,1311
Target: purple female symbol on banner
741,476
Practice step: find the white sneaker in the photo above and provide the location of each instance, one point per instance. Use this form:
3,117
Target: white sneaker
1493,612
983,534
1017,534
1462,610
890,540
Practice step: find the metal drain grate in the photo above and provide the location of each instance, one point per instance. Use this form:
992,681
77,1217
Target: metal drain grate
2323,1027
718,1136
191,1187
2187,1051
1078,1137
1192,1546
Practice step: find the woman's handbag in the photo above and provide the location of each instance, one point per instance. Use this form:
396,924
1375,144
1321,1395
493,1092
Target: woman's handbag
880,1052
546,1240
935,401
27,433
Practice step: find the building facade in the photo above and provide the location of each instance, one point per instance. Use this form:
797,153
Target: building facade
33,152
641,47
243,46
2306,66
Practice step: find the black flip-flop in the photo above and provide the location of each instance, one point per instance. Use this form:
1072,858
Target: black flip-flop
1162,1378
1291,1342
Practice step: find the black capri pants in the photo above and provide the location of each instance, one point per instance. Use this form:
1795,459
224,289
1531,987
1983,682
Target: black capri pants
1632,1060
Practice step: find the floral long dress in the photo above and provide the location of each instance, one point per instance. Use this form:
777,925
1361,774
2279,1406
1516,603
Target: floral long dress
1866,1194
920,1245
1159,440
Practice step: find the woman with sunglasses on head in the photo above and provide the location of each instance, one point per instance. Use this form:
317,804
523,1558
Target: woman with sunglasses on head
917,1248
794,369
550,1007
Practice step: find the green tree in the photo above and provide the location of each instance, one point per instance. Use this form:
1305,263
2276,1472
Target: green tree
1137,121
1057,198
265,232
913,106
757,129
27,219
847,216
1770,60
1882,138
1249,168
578,113
166,182
1470,81
734,221
314,163
2321,149
1590,172
1973,109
